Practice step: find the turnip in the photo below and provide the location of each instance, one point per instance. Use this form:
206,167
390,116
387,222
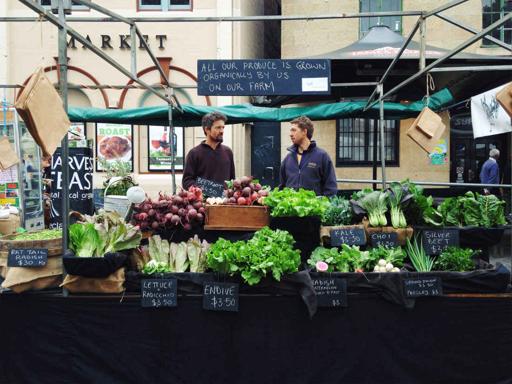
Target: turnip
232,200
246,192
257,187
263,192
236,194
389,267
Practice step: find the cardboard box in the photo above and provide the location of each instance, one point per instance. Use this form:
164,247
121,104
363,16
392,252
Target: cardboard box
8,226
504,97
427,129
236,217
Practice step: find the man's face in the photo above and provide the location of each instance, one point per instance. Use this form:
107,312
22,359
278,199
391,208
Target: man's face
297,135
216,132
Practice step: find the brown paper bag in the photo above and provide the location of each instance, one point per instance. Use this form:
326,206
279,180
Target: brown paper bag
40,107
8,156
21,279
504,97
427,129
110,284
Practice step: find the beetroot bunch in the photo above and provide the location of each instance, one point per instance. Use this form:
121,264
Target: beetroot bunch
244,191
169,211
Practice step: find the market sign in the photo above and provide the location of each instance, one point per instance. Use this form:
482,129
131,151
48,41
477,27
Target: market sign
436,241
385,239
422,287
157,293
263,77
210,188
220,297
349,236
114,142
330,292
160,151
27,257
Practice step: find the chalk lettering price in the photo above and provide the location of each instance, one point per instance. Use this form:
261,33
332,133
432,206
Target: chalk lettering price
385,239
210,188
437,241
422,287
220,297
157,293
29,258
330,292
349,236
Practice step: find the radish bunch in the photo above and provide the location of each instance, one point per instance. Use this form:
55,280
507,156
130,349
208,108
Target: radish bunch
244,191
169,211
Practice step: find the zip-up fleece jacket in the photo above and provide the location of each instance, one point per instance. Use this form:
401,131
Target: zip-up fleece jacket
315,171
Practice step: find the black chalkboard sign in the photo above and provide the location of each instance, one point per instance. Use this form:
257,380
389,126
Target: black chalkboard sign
210,188
435,241
349,236
220,297
330,292
156,293
385,239
423,286
27,257
263,77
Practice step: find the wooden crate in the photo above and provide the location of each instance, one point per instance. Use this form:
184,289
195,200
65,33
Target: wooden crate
236,217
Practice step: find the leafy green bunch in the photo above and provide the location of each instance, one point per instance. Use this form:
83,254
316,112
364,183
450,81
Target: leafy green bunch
456,259
301,203
268,252
339,212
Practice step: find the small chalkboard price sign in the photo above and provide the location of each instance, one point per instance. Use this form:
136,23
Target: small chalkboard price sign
349,236
330,292
210,188
157,293
423,286
220,297
385,239
27,257
435,241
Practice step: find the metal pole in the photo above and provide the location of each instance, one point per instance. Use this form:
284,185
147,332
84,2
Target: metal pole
63,85
133,37
473,31
423,44
382,138
432,183
475,68
442,59
172,143
444,7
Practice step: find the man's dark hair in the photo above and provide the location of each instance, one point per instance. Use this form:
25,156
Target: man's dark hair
303,122
211,118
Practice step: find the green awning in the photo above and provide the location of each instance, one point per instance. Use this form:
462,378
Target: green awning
247,113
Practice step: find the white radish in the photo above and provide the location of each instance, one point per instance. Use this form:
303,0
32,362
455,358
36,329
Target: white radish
389,267
382,263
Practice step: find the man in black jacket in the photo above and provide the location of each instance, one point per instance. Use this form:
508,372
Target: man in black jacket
307,166
211,159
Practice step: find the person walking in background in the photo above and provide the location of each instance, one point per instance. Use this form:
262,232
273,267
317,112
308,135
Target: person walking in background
490,173
306,165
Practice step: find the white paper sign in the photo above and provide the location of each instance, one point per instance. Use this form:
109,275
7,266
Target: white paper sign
487,115
315,84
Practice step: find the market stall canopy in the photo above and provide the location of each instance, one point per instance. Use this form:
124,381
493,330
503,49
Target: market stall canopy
367,59
246,113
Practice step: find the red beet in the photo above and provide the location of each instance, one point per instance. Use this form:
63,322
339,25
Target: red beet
151,212
175,220
241,201
200,217
155,225
192,213
201,210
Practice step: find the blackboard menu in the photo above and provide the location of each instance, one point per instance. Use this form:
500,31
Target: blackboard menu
220,297
259,77
423,286
157,293
349,236
27,257
435,241
385,239
330,292
210,188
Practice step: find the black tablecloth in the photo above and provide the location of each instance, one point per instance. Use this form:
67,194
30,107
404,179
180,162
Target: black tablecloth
51,339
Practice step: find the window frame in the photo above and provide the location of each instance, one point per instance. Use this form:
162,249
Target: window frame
367,163
484,43
363,33
165,6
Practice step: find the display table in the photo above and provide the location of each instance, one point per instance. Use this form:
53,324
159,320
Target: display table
48,338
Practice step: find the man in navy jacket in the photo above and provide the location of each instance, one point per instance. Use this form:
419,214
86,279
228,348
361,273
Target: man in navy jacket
306,165
490,173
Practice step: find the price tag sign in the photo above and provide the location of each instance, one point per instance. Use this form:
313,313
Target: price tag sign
423,286
435,241
210,188
157,293
330,292
27,257
385,239
220,297
349,236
